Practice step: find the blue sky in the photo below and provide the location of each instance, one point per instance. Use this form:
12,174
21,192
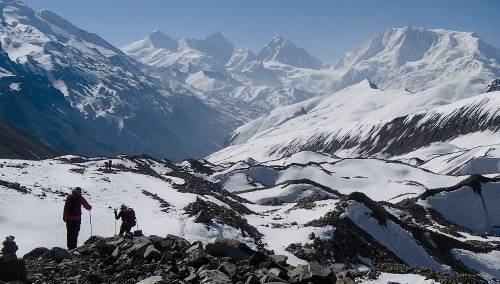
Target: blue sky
326,28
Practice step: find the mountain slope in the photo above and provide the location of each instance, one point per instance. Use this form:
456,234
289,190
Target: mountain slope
15,144
419,58
248,84
363,120
106,101
406,57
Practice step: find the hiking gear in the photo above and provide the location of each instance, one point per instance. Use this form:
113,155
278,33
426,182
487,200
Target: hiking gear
115,224
123,206
90,214
73,207
72,228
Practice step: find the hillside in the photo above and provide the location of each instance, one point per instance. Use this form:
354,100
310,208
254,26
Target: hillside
15,144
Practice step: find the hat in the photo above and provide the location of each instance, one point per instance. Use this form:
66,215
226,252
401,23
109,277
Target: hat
123,206
77,189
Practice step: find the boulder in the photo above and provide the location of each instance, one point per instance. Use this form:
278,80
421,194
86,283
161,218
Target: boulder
228,268
152,253
197,258
214,277
234,249
58,254
152,280
36,253
279,259
312,272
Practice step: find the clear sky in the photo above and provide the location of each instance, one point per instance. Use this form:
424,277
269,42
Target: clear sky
326,28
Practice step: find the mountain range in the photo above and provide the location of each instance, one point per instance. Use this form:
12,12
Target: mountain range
79,94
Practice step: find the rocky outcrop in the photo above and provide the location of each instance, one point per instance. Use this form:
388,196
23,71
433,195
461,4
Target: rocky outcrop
493,87
169,259
11,268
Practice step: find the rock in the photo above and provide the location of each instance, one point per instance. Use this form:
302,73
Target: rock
234,249
92,240
58,254
312,272
279,259
109,260
191,278
152,253
106,248
251,279
278,273
260,260
138,249
195,245
214,277
197,258
14,270
228,268
152,280
36,253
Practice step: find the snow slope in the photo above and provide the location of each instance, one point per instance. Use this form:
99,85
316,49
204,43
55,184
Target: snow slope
78,93
362,119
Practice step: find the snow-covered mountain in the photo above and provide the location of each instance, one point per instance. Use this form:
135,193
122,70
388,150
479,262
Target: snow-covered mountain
364,120
78,93
418,58
249,84
406,57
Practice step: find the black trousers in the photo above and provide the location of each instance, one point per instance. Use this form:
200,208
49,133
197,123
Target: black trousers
125,228
73,229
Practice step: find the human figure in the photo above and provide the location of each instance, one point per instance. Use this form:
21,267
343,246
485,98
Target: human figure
110,163
128,219
73,215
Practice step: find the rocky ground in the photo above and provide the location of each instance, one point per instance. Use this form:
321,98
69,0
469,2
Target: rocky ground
169,259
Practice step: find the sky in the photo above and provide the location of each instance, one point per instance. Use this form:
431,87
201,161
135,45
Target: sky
326,28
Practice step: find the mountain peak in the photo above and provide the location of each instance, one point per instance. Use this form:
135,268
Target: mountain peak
160,40
282,50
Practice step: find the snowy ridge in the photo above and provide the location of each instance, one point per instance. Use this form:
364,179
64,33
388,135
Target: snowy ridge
408,58
99,94
360,120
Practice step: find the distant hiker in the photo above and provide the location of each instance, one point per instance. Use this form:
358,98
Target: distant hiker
73,215
128,219
110,164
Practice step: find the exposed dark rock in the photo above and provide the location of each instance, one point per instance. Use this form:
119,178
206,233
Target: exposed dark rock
234,249
36,253
58,254
493,87
313,272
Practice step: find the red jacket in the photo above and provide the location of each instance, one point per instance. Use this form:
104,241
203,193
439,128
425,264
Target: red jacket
73,207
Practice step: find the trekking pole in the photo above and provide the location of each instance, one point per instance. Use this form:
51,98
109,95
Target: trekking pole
115,226
91,234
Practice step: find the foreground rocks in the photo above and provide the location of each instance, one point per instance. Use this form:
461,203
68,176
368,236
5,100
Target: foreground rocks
154,259
11,268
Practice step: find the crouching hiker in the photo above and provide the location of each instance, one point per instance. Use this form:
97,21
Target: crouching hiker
73,215
128,219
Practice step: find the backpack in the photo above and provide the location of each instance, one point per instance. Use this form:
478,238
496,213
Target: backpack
128,216
74,208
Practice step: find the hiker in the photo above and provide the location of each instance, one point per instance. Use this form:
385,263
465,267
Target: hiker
110,164
128,219
73,215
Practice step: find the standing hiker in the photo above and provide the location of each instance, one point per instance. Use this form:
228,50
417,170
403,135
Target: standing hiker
128,219
73,215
